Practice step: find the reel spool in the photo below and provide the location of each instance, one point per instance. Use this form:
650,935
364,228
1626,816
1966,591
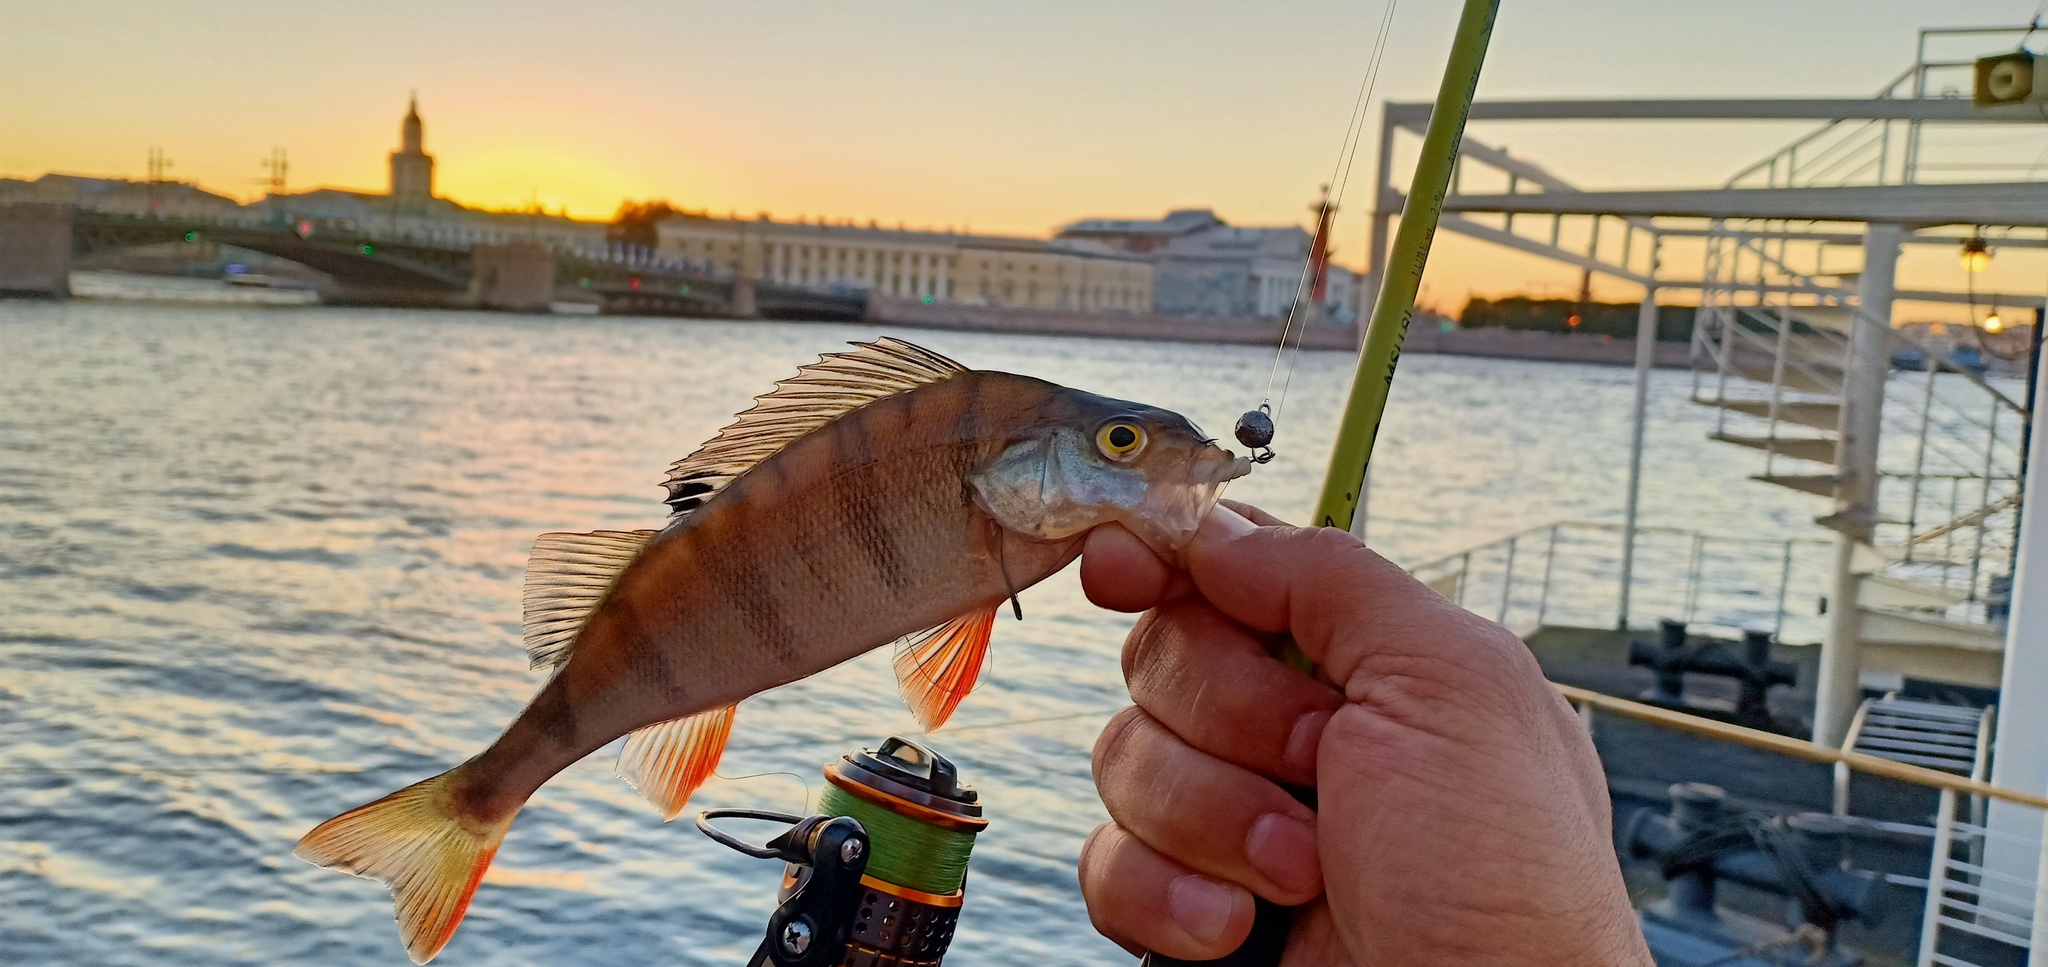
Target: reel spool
878,879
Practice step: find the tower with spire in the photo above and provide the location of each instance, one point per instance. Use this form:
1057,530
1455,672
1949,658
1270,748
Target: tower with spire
412,168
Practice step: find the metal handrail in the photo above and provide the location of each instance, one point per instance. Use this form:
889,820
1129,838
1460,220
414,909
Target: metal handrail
1796,748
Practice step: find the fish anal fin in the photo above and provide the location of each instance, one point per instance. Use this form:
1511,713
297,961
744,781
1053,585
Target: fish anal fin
937,668
667,761
431,855
566,577
818,394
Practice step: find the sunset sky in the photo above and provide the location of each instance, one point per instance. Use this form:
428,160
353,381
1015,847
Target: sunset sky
1004,117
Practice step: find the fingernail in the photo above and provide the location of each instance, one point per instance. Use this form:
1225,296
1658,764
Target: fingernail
1201,907
1306,738
1284,849
1223,524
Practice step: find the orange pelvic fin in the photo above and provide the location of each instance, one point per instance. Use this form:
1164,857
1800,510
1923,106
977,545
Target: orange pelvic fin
667,761
415,842
937,668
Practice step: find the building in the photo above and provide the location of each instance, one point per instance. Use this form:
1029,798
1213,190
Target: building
1142,236
412,168
119,196
980,270
409,211
1206,267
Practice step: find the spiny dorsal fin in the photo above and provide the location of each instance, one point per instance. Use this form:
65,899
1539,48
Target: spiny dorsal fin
565,578
936,669
815,396
667,761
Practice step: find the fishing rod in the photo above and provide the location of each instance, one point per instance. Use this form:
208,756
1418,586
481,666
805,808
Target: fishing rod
878,876
1378,354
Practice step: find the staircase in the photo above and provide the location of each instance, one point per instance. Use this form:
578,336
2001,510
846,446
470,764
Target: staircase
1951,738
1771,349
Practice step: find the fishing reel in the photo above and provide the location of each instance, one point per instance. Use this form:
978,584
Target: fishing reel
876,879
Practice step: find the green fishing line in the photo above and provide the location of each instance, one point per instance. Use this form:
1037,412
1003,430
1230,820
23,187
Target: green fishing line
904,851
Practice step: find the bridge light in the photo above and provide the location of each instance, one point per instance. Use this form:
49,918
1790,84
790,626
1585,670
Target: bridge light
927,300
369,249
192,236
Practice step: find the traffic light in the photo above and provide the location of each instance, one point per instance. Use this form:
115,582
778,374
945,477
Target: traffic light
192,236
369,249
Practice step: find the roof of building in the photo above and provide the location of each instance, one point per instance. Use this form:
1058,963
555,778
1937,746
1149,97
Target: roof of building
875,234
1225,242
88,185
1178,222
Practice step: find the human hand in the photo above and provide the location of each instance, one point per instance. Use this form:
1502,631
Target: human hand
1462,815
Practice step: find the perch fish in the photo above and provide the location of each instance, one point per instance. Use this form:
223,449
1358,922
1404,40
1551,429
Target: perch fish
886,494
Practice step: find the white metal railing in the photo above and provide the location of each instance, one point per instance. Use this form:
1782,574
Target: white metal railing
1996,897
1869,152
1950,454
1569,573
1984,879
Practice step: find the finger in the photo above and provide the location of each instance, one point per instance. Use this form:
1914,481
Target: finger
1217,819
1145,901
1345,606
1216,686
1253,514
1120,573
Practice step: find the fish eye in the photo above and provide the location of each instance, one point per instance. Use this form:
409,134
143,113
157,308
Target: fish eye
1120,440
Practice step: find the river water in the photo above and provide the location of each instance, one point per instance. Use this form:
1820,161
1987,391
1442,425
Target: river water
260,565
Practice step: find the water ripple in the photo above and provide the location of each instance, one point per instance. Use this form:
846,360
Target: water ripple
260,566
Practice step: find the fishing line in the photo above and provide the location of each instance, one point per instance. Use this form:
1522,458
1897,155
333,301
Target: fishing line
907,851
1255,428
806,783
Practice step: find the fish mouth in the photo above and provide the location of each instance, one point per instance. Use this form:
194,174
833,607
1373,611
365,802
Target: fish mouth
1215,466
1170,515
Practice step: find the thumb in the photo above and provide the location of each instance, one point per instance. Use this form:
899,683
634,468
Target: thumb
1346,606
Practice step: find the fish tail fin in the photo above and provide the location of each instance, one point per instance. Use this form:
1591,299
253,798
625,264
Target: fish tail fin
418,843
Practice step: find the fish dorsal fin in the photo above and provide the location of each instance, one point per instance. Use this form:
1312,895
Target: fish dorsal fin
936,669
816,395
566,577
667,761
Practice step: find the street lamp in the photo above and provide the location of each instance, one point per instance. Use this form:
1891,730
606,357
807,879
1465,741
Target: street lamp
1976,254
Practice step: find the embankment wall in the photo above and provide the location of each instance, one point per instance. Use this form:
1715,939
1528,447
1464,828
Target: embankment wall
1496,343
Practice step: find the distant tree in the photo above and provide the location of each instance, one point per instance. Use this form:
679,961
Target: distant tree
634,224
1617,319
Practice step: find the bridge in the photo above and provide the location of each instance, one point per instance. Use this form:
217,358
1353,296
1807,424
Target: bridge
38,244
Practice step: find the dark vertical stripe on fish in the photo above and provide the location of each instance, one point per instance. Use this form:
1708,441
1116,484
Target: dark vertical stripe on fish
853,451
553,711
754,598
968,426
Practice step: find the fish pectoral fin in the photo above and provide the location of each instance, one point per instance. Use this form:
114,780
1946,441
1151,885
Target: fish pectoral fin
431,856
937,668
566,577
667,761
